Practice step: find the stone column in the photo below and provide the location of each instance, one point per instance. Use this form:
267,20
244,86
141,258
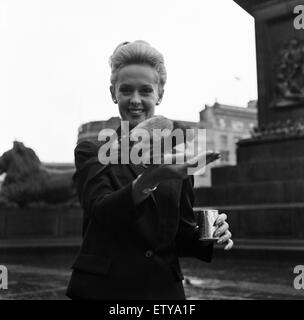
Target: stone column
263,194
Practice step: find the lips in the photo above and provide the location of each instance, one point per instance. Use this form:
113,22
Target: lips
136,111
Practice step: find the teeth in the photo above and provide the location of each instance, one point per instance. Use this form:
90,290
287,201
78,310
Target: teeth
136,110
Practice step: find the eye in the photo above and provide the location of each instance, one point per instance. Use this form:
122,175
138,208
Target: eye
146,90
125,90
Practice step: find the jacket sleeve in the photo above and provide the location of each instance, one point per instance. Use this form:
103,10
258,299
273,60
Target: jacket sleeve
187,236
97,195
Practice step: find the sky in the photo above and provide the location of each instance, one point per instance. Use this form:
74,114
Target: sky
54,70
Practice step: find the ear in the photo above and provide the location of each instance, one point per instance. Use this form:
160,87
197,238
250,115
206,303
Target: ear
112,90
160,96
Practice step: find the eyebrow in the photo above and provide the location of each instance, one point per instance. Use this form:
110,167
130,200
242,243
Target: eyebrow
129,85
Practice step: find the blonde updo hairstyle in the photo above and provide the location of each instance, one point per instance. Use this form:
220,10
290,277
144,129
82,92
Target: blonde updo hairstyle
138,52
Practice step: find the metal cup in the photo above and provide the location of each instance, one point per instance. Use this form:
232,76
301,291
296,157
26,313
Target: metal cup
206,228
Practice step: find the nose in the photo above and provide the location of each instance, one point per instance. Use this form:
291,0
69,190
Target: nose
135,99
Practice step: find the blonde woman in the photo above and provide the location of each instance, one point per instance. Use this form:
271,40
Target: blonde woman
137,222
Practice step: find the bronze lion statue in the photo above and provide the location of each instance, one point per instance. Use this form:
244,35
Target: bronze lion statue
27,180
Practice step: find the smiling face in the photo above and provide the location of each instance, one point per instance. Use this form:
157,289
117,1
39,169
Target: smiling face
137,92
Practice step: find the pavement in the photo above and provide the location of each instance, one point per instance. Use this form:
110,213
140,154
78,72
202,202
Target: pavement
45,277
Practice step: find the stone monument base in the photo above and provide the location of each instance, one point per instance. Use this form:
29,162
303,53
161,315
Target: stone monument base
263,195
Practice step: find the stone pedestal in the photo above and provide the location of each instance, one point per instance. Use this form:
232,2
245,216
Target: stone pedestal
263,194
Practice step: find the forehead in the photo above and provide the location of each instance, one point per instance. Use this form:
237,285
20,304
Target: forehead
136,74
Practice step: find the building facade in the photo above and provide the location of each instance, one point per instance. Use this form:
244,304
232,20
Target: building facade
225,125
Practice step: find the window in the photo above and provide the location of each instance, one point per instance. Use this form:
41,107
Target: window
225,156
222,123
224,141
237,125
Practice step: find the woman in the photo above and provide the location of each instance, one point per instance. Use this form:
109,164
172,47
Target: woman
137,221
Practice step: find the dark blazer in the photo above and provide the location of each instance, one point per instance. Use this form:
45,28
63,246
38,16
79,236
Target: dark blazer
131,252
